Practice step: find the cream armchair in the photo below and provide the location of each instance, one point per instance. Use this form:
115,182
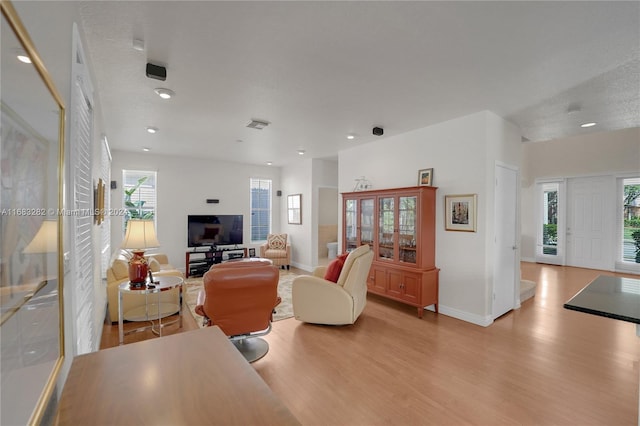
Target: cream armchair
119,273
319,301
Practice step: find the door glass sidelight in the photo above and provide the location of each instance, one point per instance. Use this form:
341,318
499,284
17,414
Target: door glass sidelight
550,219
550,231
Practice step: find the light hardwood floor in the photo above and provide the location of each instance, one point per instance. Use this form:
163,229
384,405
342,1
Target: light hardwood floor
538,365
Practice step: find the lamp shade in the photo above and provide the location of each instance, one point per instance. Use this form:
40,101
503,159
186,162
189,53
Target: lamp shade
45,240
140,235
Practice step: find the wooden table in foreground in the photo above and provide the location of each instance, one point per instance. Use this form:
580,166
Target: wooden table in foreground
191,378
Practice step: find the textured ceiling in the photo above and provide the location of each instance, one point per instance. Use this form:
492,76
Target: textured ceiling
321,70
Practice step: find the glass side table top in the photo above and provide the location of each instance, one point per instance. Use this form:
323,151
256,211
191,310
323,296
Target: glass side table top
611,297
162,283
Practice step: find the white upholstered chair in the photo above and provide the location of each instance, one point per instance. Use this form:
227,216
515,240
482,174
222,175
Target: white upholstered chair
316,300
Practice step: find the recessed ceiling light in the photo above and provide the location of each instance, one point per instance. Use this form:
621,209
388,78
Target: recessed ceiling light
23,57
239,140
152,130
301,152
350,137
145,149
588,124
164,93
269,163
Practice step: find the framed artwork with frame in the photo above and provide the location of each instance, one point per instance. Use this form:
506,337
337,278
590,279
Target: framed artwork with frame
425,177
460,212
98,202
294,209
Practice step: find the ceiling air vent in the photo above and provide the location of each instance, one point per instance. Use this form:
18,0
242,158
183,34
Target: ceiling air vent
258,124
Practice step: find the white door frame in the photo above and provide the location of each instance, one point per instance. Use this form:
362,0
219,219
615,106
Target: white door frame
499,309
560,258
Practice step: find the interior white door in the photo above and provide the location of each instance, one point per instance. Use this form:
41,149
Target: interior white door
589,222
506,249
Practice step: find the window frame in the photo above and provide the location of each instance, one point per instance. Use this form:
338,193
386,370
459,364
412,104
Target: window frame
560,257
153,210
294,209
621,264
253,216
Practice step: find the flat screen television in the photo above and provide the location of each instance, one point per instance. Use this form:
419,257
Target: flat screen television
214,230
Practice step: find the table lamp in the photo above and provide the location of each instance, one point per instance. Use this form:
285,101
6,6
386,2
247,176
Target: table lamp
140,235
45,240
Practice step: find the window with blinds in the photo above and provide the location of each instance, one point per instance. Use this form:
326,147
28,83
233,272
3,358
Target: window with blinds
260,209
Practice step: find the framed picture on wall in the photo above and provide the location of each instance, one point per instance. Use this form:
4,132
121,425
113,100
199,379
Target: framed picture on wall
294,209
460,212
425,177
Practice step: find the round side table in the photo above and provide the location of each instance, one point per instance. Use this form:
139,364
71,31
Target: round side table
147,312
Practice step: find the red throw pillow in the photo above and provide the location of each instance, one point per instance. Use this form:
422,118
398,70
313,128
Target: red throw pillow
335,267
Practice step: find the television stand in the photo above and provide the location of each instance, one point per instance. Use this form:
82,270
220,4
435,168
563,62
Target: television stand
197,262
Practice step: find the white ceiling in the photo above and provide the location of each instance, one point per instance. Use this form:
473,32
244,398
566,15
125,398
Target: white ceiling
321,70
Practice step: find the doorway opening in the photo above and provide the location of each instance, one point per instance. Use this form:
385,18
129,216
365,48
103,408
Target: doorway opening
327,224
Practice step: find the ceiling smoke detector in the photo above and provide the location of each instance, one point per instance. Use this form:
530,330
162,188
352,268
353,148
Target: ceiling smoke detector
257,124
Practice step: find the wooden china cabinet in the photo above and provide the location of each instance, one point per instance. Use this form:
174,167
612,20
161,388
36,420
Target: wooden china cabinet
399,225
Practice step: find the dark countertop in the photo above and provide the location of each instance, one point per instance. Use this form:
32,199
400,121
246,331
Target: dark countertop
611,297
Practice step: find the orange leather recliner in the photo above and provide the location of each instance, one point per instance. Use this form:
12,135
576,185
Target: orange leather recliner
239,297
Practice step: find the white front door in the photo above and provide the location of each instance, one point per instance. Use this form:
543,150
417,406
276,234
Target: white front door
589,222
506,278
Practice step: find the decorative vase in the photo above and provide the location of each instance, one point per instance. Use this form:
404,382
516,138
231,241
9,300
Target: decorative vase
138,268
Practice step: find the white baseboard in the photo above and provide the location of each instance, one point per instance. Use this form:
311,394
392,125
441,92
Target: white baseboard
480,320
306,268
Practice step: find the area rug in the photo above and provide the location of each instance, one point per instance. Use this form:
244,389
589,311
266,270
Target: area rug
283,310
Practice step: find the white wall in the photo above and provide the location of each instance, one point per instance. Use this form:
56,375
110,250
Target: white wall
463,153
327,206
594,154
183,186
297,179
306,177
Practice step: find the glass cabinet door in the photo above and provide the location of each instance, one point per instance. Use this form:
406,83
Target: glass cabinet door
407,232
386,237
350,224
366,221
